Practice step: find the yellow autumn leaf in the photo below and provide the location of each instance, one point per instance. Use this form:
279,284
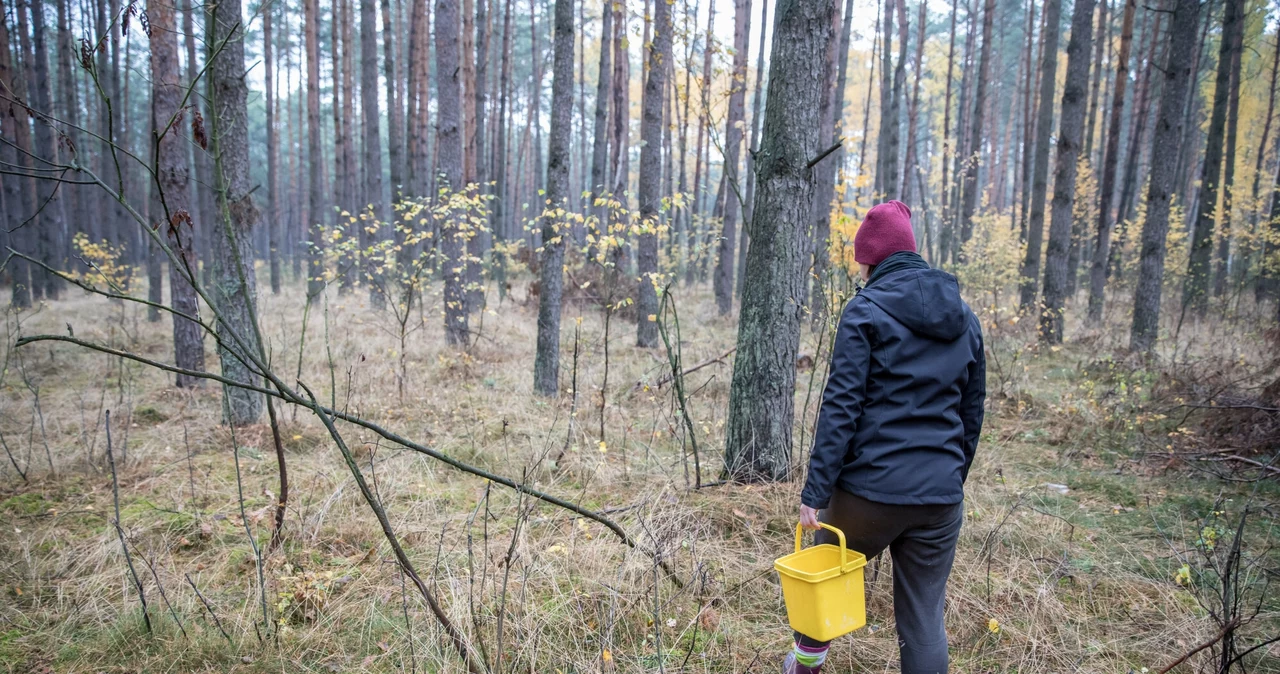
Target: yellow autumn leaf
606,656
993,626
603,447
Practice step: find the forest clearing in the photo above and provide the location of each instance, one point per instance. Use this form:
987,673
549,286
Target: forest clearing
527,335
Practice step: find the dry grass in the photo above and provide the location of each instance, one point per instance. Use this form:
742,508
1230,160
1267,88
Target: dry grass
1076,582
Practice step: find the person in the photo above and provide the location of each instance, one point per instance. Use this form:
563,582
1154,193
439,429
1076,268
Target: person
897,431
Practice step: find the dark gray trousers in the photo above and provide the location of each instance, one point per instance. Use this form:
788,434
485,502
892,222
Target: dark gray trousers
922,542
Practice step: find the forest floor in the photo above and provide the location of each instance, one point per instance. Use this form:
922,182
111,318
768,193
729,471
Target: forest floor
1071,557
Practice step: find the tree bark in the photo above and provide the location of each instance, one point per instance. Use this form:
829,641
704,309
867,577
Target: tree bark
704,83
555,220
722,281
649,191
1103,34
273,206
19,190
909,169
825,177
757,101
944,236
315,185
1040,180
1165,148
1028,124
600,133
1194,294
449,149
395,106
172,178
476,242
762,395
1229,168
1070,130
235,286
971,188
881,187
372,193
1102,239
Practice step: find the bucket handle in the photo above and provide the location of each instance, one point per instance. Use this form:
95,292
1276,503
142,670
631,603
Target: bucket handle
844,551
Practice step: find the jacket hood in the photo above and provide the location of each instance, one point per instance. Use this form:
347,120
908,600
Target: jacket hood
925,300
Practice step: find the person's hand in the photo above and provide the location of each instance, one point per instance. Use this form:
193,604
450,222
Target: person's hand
809,518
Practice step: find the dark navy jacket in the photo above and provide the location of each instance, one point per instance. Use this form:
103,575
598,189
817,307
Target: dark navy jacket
903,406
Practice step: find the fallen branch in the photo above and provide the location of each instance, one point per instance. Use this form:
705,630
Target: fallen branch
667,378
1216,638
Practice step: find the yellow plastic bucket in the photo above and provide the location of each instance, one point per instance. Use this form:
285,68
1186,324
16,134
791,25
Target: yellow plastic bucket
823,588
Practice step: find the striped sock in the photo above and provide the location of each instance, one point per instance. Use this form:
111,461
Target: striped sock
811,656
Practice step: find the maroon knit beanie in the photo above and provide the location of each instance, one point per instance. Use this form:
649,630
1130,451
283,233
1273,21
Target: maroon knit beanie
885,230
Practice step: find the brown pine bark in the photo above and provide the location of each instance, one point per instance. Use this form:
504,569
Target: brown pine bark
762,395
1195,290
555,223
757,100
649,192
722,280
600,133
1103,35
273,206
19,190
235,285
1070,132
971,188
1166,145
1040,179
315,184
371,194
1028,124
910,168
172,178
395,105
450,161
1102,237
50,221
824,175
704,85
945,235
1224,257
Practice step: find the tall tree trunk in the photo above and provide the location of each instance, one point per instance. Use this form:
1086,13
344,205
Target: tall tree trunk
910,169
757,100
971,188
171,179
449,147
395,105
235,285
315,185
1040,181
555,223
1103,36
825,178
762,395
273,206
1264,280
1166,145
50,222
1102,240
650,188
1028,122
728,245
893,169
19,190
1229,168
704,86
68,109
1194,294
477,244
620,145
1070,130
372,193
944,237
882,178
600,133
1141,101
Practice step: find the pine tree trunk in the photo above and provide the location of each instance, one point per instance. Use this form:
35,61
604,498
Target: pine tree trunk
1229,170
172,180
882,177
825,179
235,286
971,188
395,107
762,394
1102,239
273,206
372,193
728,244
1040,179
944,236
698,217
600,133
620,145
910,169
1263,287
1195,290
757,100
1130,185
1028,123
19,190
449,148
1070,131
1103,35
46,221
555,220
650,188
315,185
68,109
1166,145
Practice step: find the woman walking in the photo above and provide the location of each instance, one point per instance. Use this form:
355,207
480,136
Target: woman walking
897,431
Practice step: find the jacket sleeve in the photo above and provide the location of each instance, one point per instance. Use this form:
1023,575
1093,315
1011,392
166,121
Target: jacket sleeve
842,402
972,403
